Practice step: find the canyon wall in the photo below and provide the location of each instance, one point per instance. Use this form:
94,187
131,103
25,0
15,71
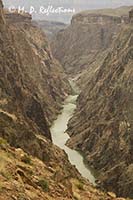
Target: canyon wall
33,84
131,16
102,126
84,44
32,88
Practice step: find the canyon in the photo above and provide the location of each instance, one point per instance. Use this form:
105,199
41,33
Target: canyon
102,124
36,91
97,49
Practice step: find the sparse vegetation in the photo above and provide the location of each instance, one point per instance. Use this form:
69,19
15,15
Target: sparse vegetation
45,46
1,187
80,186
3,142
6,174
43,184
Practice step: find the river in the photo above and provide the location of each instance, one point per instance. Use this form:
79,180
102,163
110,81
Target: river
60,137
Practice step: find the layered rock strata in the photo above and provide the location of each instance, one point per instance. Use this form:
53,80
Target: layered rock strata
102,126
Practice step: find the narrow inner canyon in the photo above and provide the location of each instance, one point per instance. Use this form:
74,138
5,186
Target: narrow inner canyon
60,136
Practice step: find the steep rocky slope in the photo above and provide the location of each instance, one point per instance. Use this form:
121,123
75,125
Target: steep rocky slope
32,82
25,177
84,43
43,75
102,126
32,86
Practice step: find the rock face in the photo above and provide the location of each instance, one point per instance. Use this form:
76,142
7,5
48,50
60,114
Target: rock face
18,17
131,16
25,177
84,43
32,86
102,126
32,81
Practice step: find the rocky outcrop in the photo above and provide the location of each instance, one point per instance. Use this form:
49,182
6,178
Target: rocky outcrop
25,177
102,126
39,77
1,15
84,44
16,17
131,16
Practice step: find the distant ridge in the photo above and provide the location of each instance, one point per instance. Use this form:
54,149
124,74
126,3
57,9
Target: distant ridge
120,11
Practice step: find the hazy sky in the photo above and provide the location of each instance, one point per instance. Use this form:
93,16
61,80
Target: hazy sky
78,5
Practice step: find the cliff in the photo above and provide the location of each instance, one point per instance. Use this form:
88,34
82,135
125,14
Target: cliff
16,17
102,126
39,77
32,87
84,44
131,16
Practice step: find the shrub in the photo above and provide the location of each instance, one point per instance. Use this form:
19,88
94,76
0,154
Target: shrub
80,186
3,142
26,159
1,187
43,184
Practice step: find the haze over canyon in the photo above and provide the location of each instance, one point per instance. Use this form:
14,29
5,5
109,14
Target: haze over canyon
78,5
